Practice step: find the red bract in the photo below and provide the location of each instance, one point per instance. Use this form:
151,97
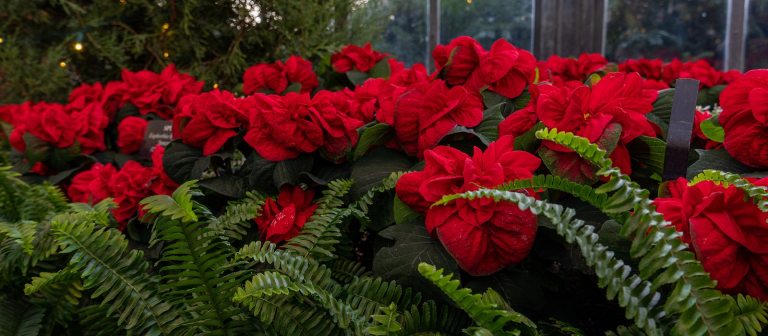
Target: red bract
93,185
110,97
725,230
427,111
284,218
569,69
407,76
161,184
281,127
458,61
506,69
130,134
330,110
372,96
90,133
588,111
358,58
648,68
277,76
745,118
49,123
208,120
483,236
129,186
158,93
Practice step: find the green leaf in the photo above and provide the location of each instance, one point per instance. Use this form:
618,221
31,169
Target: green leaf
258,173
371,169
60,158
491,98
183,163
412,246
662,109
36,149
293,87
522,100
372,136
380,70
229,186
709,96
489,126
528,142
403,213
717,159
712,130
648,151
289,171
357,77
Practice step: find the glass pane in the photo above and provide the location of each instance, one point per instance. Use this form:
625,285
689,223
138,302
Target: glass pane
487,21
686,29
405,36
757,35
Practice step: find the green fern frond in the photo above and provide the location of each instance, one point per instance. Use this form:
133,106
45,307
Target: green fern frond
386,323
484,314
18,317
238,216
431,319
10,188
39,201
752,313
96,321
297,267
581,191
117,275
271,283
16,257
98,213
345,270
298,320
663,257
22,233
321,233
759,195
194,264
177,206
387,184
369,295
60,292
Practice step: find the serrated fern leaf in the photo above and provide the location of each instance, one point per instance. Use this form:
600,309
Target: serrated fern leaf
485,315
60,292
177,206
752,313
431,319
386,323
663,258
117,275
759,195
369,295
297,267
345,270
387,184
238,217
321,233
19,318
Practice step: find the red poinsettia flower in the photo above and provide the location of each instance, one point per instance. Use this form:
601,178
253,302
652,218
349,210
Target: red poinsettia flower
648,68
427,111
358,58
282,127
129,186
331,111
90,133
283,219
208,120
408,76
93,185
506,69
47,122
745,118
110,97
372,96
571,69
158,93
589,111
725,230
483,236
130,134
161,184
458,61
277,76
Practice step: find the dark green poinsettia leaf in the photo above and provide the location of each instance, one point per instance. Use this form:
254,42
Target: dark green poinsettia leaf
489,126
709,96
183,163
36,149
457,135
648,152
324,172
229,186
380,70
522,100
412,245
60,158
382,212
80,163
289,171
491,98
294,87
371,169
611,237
402,212
712,130
372,136
662,109
357,77
568,165
717,159
528,142
258,173
520,288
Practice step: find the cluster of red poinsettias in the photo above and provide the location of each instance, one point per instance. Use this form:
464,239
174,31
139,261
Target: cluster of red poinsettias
284,114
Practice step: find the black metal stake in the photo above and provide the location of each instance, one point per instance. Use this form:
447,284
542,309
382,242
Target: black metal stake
680,128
